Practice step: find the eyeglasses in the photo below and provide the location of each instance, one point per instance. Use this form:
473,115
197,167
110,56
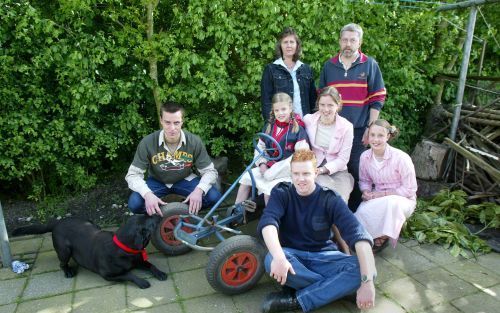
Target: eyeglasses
352,40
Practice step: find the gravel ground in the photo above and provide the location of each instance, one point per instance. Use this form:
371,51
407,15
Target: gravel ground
105,205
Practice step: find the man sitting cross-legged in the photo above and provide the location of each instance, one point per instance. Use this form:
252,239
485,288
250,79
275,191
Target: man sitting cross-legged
296,228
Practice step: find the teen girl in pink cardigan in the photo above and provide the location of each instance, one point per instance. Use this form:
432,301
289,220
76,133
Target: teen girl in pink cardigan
389,185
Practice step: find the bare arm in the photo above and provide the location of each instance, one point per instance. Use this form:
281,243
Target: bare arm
136,182
366,293
279,265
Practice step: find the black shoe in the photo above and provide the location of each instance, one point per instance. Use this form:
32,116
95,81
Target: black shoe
288,290
280,301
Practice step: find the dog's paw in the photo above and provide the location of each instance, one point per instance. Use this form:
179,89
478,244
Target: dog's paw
160,275
142,283
69,272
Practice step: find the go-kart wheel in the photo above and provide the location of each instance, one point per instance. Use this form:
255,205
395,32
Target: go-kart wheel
268,152
236,264
163,237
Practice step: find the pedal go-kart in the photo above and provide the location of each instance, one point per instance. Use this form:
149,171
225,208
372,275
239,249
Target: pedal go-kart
236,263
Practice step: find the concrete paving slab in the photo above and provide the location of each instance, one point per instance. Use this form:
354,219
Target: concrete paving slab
86,279
493,291
29,245
57,304
211,304
474,274
382,305
192,260
98,300
442,308
192,284
9,308
437,254
160,261
47,284
406,259
11,289
250,302
490,261
160,292
168,308
477,303
46,262
445,283
386,271
7,273
47,244
337,307
408,242
410,294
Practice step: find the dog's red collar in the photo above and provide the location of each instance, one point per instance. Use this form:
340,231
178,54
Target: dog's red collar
130,250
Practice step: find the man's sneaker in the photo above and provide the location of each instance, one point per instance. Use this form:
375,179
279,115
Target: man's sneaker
280,301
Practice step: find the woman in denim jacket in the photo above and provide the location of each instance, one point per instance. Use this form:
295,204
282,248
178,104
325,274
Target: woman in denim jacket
289,75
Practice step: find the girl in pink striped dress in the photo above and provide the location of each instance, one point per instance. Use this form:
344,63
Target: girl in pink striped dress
389,185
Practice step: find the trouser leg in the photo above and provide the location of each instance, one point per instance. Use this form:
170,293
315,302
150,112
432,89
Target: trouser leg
320,277
353,166
185,187
136,201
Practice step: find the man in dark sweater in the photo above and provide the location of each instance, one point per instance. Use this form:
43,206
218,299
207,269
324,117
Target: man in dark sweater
359,80
169,157
296,228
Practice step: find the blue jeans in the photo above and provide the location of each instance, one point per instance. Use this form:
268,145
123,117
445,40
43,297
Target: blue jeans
320,277
353,167
182,187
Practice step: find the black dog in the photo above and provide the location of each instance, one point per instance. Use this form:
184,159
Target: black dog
110,255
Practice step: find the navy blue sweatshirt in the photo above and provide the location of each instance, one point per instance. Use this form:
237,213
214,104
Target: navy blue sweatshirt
304,222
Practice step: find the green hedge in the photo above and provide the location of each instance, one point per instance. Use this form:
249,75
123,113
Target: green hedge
76,95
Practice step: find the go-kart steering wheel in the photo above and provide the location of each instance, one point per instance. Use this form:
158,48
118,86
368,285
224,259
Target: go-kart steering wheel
268,152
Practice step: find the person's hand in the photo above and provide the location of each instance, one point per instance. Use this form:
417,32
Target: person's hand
151,202
280,269
378,194
195,201
365,298
263,168
364,140
367,195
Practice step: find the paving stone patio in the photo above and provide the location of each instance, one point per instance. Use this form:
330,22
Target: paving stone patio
412,278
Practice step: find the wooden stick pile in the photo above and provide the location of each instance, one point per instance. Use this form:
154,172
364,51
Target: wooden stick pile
476,163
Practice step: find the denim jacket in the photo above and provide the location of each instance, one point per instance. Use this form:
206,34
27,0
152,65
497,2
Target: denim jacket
276,79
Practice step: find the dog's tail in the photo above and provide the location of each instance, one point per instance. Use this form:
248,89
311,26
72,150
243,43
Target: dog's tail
35,229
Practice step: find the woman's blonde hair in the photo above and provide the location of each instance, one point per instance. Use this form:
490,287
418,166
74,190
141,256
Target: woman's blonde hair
391,129
281,97
332,92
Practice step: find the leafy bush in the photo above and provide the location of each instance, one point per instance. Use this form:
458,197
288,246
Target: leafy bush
76,95
441,220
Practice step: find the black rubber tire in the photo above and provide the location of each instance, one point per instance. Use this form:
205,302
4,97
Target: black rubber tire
171,212
236,265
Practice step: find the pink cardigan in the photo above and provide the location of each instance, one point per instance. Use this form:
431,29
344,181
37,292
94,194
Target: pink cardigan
339,151
397,173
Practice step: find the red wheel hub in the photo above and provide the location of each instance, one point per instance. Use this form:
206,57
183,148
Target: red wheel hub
167,230
239,268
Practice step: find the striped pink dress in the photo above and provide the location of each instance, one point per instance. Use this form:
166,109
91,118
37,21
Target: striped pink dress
395,174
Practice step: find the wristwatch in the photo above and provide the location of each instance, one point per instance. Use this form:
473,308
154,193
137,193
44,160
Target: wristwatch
365,278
